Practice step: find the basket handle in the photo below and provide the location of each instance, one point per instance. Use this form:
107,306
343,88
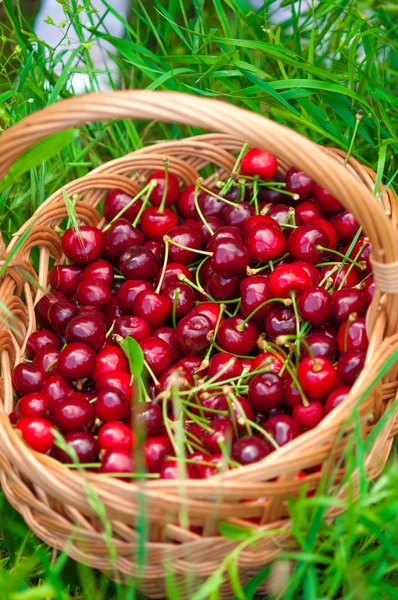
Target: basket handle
222,117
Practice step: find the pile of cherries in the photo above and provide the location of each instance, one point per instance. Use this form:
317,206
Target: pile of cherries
247,300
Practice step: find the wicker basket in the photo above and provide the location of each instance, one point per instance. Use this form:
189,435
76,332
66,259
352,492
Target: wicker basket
53,499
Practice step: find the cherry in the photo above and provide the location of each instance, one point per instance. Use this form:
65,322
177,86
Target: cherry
222,287
265,391
215,223
315,305
282,428
230,257
345,226
37,433
33,405
319,344
268,196
109,360
172,189
274,363
221,433
138,262
347,302
65,278
219,361
280,321
310,269
182,296
134,327
243,412
86,329
111,406
316,376
255,291
27,378
352,335
292,396
179,377
151,307
283,214
101,270
361,252
298,182
171,470
157,249
190,238
77,361
155,224
254,220
211,310
335,398
120,236
171,274
224,233
115,201
192,364
344,276
350,366
129,290
209,205
112,312
326,201
328,229
117,461
186,203
84,446
60,313
308,211
218,464
72,415
83,245
92,311
193,334
257,162
118,381
266,243
46,361
309,416
305,242
157,354
285,279
237,215
155,450
232,339
368,288
56,388
43,306
168,335
115,436
41,340
249,449
147,419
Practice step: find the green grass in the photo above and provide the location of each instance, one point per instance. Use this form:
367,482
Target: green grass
313,74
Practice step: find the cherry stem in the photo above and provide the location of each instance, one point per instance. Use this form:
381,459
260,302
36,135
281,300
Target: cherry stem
151,186
234,204
151,373
199,210
358,254
201,290
174,309
296,314
231,398
166,186
168,239
204,408
235,169
328,276
255,196
110,330
215,331
284,301
121,212
166,257
337,253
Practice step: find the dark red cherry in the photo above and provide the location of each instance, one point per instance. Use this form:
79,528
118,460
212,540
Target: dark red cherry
86,329
211,310
344,276
117,461
327,330
157,354
186,237
171,274
43,306
282,429
368,287
305,242
192,364
115,201
91,311
76,361
65,278
350,366
265,392
242,413
272,362
315,305
46,361
56,388
225,233
101,270
220,433
111,406
118,381
41,340
257,162
232,339
112,312
84,245
172,189
37,433
120,236
352,335
128,291
109,360
72,415
328,229
182,296
33,405
155,450
292,396
346,302
269,196
134,327
299,183
255,291
151,307
280,321
335,398
94,293
177,376
193,334
308,211
155,224
248,450
147,419
286,279
361,253
209,205
157,249
237,215
319,344
230,257
326,201
186,203
137,262
168,335
310,269
345,226
27,379
222,287
60,313
316,376
284,215
115,436
84,446
217,465
219,362
254,220
309,416
265,243
213,222
171,470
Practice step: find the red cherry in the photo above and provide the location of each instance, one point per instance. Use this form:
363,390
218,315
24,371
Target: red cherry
350,366
92,311
361,253
209,205
138,262
286,279
283,214
186,237
155,224
272,362
33,405
86,329
111,406
352,335
305,242
118,381
173,188
65,278
280,321
310,269
326,201
230,257
41,340
171,470
177,376
255,291
134,327
37,433
369,288
219,361
76,361
347,302
193,334
102,270
155,450
182,295
109,360
232,340
168,335
93,292
315,305
292,395
84,446
46,361
210,310
72,415
265,243
27,379
214,223
192,364
328,229
317,377
254,220
171,274
157,249
220,433
299,183
128,291
282,428
112,312
82,246
157,354
186,203
151,307
344,275
248,450
345,226
265,392
237,215
43,306
224,233
308,211
335,398
120,236
147,419
319,344
257,162
308,416
117,461
222,287
59,315
56,388
115,436
115,201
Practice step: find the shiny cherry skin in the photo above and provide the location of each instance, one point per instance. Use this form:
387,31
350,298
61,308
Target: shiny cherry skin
186,237
361,252
222,287
352,335
268,196
60,313
117,460
46,361
157,354
171,470
280,321
120,236
43,306
310,269
346,302
265,392
172,273
192,364
157,249
129,290
345,226
309,416
315,305
232,340
88,330
168,335
33,405
209,470
186,203
76,361
214,223
211,310
172,190
328,229
248,450
193,334
219,362
336,397
265,243
283,214
72,415
230,257
368,289
221,433
37,433
112,311
345,276
91,311
109,360
270,361
308,211
237,215
65,278
304,243
242,413
115,436
182,296
254,220
138,262
257,162
179,376
147,419
94,293
292,396
327,203
319,344
134,327
82,246
286,279
115,201
111,406
151,307
298,182
27,379
155,224
209,205
316,376
119,381
224,233
350,366
155,450
282,429
101,270
42,339
56,388
84,446
254,291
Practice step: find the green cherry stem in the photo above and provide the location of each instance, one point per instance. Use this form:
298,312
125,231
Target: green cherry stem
198,209
152,184
215,332
284,301
328,278
337,253
225,200
166,186
165,260
167,238
358,254
151,373
174,309
141,193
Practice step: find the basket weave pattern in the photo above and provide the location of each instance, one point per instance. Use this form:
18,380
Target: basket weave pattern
53,499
